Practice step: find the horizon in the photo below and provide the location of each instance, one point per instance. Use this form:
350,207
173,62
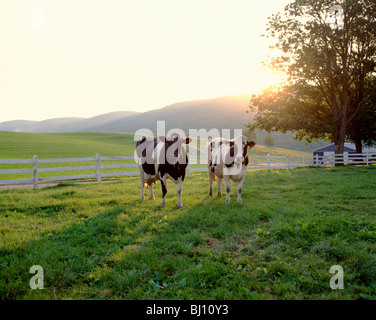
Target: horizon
83,59
118,111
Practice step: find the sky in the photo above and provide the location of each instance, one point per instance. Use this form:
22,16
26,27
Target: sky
82,58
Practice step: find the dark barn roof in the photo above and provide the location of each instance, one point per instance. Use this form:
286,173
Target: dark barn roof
330,148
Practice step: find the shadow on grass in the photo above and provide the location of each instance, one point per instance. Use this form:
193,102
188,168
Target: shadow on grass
134,251
205,250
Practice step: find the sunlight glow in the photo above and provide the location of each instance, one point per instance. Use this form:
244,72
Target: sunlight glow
84,58
270,79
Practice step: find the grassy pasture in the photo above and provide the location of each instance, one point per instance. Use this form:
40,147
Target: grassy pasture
19,145
98,241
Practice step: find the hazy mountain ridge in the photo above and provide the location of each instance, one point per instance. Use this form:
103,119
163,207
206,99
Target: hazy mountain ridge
67,124
228,112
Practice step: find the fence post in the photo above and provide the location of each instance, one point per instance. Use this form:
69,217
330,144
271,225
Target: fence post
288,162
189,167
303,161
367,153
269,162
35,171
98,159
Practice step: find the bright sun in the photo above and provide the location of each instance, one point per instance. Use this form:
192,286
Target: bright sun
270,78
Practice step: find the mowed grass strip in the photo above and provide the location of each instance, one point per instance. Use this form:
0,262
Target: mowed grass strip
98,241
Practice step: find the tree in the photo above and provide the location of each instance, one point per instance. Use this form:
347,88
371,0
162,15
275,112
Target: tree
249,133
268,140
361,128
327,63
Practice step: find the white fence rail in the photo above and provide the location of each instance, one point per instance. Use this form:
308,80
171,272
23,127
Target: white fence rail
97,167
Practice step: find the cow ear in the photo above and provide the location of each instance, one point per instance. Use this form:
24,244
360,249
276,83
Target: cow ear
188,140
251,143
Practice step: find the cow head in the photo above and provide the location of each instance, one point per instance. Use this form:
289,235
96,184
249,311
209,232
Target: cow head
175,151
239,150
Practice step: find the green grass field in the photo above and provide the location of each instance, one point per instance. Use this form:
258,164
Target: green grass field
98,241
18,145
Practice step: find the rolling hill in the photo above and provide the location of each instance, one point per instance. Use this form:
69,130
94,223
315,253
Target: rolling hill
69,124
227,112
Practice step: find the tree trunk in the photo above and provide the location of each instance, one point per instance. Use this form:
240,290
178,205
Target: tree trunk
340,136
358,145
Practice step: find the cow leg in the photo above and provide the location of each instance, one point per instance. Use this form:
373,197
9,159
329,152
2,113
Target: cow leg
142,190
211,179
142,184
178,191
228,188
219,184
151,195
164,190
239,187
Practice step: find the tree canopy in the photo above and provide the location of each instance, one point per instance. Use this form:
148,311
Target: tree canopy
328,51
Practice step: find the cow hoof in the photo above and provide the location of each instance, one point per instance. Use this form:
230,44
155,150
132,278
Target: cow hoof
151,198
142,199
227,201
163,203
239,201
180,206
219,194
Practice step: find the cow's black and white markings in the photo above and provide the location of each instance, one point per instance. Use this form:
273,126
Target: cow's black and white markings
228,160
160,158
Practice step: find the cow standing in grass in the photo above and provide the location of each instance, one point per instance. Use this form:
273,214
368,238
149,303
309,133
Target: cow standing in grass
160,158
228,160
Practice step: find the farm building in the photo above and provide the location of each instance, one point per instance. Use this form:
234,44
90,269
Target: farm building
329,151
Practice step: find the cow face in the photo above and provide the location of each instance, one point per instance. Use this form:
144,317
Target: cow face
174,148
238,151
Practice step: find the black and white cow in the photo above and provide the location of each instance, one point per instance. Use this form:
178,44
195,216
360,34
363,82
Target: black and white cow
228,160
160,158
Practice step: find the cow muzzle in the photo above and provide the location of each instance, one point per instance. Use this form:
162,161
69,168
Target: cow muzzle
238,160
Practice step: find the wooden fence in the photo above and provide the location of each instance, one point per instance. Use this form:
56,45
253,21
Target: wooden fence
98,168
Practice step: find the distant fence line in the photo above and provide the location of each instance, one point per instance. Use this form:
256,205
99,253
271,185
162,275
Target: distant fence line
255,162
